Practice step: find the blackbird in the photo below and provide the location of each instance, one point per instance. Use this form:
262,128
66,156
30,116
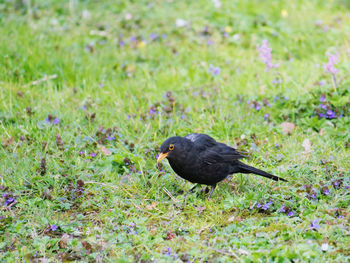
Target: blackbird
199,159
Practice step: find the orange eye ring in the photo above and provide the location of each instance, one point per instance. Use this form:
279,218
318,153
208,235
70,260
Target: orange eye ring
171,147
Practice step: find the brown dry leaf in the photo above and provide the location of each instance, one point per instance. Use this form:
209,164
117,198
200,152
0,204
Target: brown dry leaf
307,145
105,151
87,246
8,142
64,240
200,209
287,127
322,132
152,206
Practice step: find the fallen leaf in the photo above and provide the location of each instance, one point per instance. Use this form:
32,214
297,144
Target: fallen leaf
105,151
152,206
170,235
87,246
307,145
8,142
287,127
64,240
322,132
200,209
231,219
243,251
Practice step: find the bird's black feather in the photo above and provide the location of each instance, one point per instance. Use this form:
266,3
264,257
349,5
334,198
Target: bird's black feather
198,158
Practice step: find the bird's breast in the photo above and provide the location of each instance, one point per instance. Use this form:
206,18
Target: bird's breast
199,172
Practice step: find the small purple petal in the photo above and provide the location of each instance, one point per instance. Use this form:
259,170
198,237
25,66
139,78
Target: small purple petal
314,224
53,227
56,121
110,138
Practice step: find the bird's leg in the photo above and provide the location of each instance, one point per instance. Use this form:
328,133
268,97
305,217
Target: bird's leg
190,191
211,190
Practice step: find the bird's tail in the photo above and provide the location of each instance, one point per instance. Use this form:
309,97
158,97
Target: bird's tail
249,169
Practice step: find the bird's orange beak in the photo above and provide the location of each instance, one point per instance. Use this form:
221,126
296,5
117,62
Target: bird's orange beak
161,157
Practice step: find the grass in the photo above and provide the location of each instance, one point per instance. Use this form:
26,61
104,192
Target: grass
87,97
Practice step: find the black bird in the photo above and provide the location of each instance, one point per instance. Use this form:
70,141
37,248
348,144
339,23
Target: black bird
199,159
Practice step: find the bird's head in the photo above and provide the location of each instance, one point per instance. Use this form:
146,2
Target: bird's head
171,147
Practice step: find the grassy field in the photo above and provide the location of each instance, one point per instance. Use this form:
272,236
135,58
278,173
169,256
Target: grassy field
90,89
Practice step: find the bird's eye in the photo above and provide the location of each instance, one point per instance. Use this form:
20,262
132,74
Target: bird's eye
171,147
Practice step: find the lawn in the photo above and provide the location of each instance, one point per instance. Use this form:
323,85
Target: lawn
90,89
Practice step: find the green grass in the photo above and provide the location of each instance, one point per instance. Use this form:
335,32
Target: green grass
64,59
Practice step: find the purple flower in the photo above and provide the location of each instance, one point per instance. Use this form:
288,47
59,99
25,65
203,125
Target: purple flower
121,43
258,205
266,206
321,82
323,98
266,116
325,190
314,224
277,146
283,209
56,121
53,120
53,227
290,213
110,138
332,60
330,114
346,187
341,217
322,106
153,36
93,155
265,54
214,70
9,201
258,107
168,251
277,81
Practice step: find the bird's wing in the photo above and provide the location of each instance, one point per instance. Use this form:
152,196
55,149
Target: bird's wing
224,149
211,151
201,139
213,157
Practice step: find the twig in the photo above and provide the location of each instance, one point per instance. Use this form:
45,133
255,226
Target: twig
170,195
231,253
104,184
108,185
46,78
334,82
